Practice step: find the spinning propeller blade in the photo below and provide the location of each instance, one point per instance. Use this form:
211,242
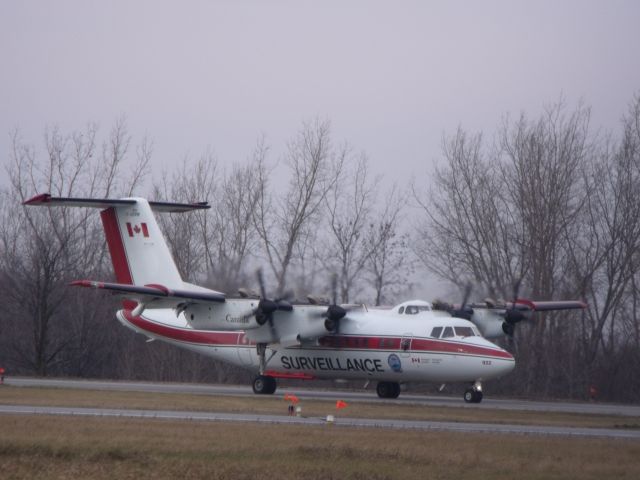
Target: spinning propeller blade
513,315
463,311
334,312
266,307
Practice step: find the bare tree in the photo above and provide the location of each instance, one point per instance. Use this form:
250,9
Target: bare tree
470,232
389,265
604,255
504,215
541,171
214,245
232,238
542,161
281,221
349,207
43,249
187,234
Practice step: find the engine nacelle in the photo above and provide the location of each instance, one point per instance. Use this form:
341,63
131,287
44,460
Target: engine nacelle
314,328
289,329
305,332
225,316
491,324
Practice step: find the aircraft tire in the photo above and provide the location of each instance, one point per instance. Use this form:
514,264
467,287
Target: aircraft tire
388,389
264,385
272,385
472,396
469,395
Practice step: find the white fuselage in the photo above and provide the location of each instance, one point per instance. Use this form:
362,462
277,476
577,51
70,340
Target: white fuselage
372,344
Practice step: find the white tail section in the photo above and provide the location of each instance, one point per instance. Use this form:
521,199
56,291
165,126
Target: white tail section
138,249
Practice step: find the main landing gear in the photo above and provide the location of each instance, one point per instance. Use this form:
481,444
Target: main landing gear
263,384
474,393
388,389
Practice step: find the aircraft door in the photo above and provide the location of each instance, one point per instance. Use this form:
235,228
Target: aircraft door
405,345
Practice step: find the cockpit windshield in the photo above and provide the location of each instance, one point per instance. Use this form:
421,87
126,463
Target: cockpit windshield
415,309
449,332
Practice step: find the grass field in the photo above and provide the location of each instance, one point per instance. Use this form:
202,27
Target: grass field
100,448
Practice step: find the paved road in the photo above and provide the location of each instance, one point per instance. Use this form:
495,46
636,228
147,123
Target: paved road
349,422
406,398
308,393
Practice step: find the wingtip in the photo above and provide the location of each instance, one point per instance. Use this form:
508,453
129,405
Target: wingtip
527,302
84,283
38,199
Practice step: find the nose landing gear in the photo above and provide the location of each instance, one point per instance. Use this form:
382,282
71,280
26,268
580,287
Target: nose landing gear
474,393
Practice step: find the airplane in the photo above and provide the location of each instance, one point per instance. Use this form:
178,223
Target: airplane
415,341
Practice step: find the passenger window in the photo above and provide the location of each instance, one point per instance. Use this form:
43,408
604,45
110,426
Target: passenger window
435,333
401,310
464,331
448,332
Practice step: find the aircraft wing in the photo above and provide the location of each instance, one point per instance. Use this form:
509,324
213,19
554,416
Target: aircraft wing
155,296
547,306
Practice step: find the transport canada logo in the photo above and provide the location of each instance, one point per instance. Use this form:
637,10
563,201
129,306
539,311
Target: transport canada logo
395,363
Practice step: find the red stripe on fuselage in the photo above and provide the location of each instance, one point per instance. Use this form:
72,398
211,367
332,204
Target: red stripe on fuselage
418,345
461,348
183,334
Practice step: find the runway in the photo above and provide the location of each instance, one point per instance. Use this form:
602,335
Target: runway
343,422
467,427
406,398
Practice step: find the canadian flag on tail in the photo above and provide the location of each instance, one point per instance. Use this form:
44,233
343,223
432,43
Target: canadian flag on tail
138,229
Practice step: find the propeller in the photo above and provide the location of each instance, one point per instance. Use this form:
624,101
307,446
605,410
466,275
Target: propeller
463,311
266,307
513,315
334,312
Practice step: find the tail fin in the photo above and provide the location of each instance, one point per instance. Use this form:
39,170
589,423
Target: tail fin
139,252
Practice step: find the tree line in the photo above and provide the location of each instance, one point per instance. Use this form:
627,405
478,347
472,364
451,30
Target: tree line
550,205
546,209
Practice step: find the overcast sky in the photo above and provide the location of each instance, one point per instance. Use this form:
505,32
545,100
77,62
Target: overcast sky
391,76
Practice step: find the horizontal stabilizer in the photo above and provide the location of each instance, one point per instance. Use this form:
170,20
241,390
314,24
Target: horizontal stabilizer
45,199
155,296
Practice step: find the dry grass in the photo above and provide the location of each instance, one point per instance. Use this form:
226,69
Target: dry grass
98,448
316,408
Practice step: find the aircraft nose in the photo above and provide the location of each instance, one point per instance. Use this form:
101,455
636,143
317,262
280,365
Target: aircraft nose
508,363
